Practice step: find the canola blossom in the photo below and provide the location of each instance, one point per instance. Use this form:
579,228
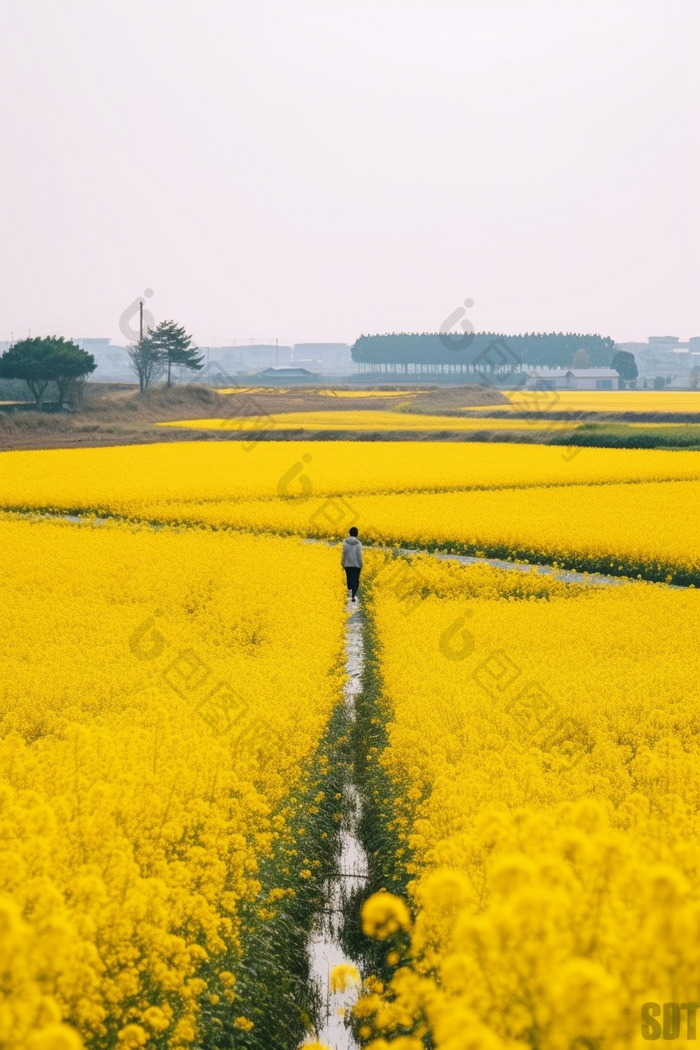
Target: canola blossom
544,748
606,401
121,479
647,530
559,400
376,420
175,746
162,697
370,395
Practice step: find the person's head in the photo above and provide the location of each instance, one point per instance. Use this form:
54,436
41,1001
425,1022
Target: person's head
353,531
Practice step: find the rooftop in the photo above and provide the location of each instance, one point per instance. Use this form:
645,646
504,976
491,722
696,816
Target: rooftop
284,373
577,373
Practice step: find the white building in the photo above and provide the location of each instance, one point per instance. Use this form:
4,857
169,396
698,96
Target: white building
573,379
664,354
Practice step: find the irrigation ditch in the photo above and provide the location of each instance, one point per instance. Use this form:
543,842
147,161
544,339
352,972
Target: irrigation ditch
370,854
348,885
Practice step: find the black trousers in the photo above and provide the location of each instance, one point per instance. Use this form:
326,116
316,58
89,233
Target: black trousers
352,575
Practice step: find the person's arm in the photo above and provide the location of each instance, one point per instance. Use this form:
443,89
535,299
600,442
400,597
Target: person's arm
360,555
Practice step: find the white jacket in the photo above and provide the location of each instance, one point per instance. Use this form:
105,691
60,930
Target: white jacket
351,557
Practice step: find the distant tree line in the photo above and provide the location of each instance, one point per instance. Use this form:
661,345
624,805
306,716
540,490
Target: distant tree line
53,359
546,349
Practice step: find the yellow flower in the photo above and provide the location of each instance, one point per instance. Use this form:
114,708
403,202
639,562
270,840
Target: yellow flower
133,1035
54,1037
128,816
155,1018
544,763
344,976
383,914
552,875
244,1024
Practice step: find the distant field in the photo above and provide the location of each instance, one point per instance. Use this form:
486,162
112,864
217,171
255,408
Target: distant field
321,391
375,420
606,401
117,415
409,392
129,479
392,424
359,420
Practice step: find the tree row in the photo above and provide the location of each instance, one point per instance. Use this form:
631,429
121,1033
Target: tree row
53,359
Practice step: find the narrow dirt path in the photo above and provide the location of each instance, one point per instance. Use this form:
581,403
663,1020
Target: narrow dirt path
592,578
324,947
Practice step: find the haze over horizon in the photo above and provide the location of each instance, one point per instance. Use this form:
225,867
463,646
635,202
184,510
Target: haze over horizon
314,171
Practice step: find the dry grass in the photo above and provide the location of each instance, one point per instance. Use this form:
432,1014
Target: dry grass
109,415
115,414
451,399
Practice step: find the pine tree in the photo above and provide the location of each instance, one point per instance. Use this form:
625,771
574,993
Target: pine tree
174,346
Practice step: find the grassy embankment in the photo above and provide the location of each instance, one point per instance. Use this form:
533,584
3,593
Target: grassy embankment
115,414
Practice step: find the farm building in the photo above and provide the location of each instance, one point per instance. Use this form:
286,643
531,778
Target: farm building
287,375
573,379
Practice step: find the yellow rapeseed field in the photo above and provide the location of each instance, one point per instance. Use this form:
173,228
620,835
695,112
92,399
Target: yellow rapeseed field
161,695
322,392
371,395
122,478
376,420
559,400
634,529
546,738
173,675
607,401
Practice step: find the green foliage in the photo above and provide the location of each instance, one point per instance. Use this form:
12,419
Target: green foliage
625,364
42,360
173,345
581,359
623,435
553,350
383,804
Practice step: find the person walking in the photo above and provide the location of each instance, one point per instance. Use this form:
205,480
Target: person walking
351,560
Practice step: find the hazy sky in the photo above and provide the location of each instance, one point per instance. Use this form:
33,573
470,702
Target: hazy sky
316,170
